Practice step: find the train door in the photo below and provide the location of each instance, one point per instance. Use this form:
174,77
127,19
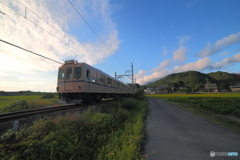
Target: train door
88,79
67,83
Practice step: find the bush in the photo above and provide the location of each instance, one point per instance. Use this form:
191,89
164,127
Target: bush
139,94
25,105
129,103
48,95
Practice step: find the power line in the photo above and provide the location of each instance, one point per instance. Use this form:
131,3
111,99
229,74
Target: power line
48,31
94,31
97,24
2,12
34,23
39,17
87,22
29,51
92,16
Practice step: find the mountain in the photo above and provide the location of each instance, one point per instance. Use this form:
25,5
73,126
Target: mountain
191,78
148,84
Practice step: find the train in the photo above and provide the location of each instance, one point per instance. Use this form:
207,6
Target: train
80,82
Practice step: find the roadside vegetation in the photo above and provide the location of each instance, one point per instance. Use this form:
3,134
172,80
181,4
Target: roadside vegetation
116,132
222,109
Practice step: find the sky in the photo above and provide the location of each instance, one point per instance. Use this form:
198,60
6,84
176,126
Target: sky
158,37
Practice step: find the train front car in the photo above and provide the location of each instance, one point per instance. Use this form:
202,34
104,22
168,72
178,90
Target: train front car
78,82
69,83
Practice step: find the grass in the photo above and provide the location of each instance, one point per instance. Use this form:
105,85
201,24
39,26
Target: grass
213,107
115,133
202,95
6,101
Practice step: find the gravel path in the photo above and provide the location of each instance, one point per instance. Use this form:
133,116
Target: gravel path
176,134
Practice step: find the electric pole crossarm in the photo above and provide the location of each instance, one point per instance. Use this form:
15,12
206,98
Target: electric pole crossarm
128,75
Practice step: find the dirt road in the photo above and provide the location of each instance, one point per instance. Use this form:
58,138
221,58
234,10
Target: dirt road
176,134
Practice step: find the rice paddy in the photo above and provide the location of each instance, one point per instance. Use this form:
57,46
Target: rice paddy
9,100
201,95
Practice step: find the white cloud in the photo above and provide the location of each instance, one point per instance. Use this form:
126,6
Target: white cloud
165,51
183,40
153,77
162,65
231,39
209,50
180,54
140,74
198,65
224,53
219,45
227,61
54,38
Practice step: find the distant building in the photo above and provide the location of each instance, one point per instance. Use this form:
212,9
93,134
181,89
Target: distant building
162,89
211,87
235,88
149,91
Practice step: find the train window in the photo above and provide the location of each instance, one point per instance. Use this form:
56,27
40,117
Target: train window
77,72
102,79
69,73
61,74
109,82
88,74
94,78
118,84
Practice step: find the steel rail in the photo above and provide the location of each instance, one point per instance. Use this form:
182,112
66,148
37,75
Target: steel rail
11,116
5,117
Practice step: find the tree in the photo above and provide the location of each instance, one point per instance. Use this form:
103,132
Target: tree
224,86
180,83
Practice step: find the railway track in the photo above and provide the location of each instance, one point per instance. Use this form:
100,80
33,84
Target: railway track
5,117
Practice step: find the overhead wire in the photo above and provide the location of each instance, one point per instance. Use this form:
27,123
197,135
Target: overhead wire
29,51
40,17
93,31
96,21
2,12
34,23
46,31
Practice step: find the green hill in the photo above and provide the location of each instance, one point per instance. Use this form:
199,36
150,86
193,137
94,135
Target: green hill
193,78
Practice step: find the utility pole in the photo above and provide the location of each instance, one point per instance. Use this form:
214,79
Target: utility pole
128,73
132,79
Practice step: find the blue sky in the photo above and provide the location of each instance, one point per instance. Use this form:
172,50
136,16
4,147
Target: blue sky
158,37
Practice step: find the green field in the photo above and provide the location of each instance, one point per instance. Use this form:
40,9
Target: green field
210,95
6,101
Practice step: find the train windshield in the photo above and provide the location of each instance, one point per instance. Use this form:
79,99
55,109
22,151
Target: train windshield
77,72
69,73
61,74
